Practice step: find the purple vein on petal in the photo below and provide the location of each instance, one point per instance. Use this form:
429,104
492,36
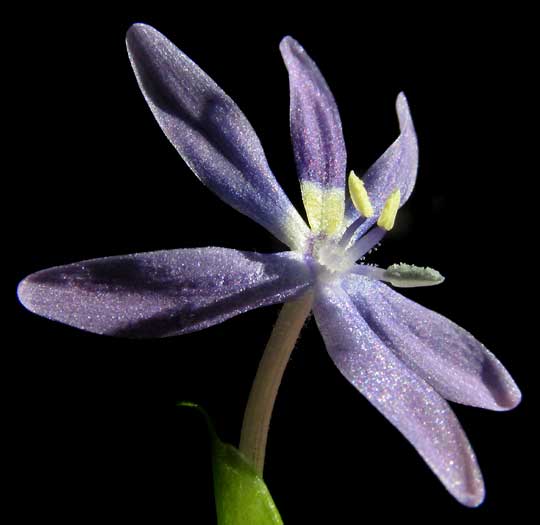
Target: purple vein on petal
405,399
448,357
211,133
163,293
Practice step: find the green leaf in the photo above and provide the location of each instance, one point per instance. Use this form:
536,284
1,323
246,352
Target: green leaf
242,497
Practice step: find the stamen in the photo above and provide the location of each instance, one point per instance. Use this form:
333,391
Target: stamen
359,195
389,212
365,243
350,231
385,223
401,275
409,276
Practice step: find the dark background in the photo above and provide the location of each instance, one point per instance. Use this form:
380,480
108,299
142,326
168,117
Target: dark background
96,432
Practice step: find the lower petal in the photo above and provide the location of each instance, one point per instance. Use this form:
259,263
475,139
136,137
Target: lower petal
448,357
406,400
163,293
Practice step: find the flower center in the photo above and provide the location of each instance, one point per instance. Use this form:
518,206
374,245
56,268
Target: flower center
333,249
331,259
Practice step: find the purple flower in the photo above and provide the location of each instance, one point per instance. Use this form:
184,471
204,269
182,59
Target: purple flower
405,359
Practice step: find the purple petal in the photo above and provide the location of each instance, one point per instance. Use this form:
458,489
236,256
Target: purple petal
396,168
450,359
316,131
162,293
406,400
211,133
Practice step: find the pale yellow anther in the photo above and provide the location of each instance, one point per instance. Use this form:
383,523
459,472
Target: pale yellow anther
359,195
389,212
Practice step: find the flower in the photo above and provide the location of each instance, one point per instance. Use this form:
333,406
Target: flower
405,359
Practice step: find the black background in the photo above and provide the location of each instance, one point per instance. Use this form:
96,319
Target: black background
96,431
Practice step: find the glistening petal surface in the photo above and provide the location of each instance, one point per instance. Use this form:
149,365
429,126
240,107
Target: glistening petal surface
211,133
396,168
317,137
448,357
162,293
406,400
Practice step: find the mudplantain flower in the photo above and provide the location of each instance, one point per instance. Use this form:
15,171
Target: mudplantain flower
406,359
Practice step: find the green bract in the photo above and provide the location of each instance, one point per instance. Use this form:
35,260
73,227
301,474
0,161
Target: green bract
242,497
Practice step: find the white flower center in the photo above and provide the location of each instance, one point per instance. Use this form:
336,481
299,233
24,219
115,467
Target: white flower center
332,259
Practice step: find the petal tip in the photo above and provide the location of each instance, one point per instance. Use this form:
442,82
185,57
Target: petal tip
470,492
473,499
511,400
138,33
28,292
286,40
138,27
403,110
401,99
502,392
517,399
133,31
23,293
290,46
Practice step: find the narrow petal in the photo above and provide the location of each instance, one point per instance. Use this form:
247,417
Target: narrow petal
211,133
395,169
450,359
406,400
317,138
163,293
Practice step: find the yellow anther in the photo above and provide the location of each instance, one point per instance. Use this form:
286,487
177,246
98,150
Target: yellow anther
359,195
389,212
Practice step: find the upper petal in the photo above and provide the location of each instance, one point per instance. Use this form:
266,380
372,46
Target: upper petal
395,169
317,137
406,400
162,293
448,357
211,133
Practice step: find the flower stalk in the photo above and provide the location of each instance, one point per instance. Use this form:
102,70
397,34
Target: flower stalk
263,393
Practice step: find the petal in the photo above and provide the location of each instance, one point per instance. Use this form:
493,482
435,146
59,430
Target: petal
317,138
396,168
406,400
450,359
211,133
162,293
